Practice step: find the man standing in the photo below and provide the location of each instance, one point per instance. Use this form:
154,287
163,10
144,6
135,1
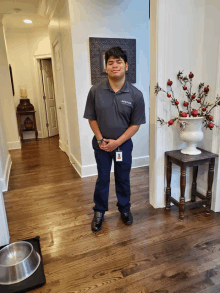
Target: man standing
115,109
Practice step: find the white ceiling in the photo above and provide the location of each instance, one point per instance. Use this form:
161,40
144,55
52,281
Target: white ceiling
16,20
16,11
7,6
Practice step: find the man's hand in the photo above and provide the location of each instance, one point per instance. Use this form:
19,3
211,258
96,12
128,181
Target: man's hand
110,145
101,145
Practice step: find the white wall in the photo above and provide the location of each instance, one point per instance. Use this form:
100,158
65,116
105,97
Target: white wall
114,19
60,27
22,46
6,99
5,158
18,57
5,165
211,74
4,232
3,150
187,38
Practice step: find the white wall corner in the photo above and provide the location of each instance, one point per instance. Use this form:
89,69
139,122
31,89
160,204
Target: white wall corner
14,145
4,181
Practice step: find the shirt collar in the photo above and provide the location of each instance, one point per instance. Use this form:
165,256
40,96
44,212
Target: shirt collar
124,89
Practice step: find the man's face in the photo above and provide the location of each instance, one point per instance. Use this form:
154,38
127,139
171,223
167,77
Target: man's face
116,68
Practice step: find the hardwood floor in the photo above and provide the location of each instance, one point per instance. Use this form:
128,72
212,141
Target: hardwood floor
158,253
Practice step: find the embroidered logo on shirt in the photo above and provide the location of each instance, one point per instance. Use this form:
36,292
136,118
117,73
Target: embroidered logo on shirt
125,102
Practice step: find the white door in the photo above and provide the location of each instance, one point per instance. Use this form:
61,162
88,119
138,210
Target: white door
49,97
60,92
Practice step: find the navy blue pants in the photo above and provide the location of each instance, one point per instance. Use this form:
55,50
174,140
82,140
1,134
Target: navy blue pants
122,177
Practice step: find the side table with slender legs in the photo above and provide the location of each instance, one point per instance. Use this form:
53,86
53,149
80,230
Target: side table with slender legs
184,161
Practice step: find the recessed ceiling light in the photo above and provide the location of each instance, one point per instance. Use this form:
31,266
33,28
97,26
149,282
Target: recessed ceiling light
27,21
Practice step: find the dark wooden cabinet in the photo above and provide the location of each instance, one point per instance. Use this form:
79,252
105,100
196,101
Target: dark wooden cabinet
21,127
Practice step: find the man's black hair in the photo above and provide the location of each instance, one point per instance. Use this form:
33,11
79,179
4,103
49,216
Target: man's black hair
115,52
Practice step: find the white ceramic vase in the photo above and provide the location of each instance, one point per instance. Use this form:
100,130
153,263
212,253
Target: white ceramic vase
191,133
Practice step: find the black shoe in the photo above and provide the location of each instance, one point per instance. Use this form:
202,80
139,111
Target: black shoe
127,218
97,221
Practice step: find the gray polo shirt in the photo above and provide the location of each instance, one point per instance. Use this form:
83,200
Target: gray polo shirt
115,112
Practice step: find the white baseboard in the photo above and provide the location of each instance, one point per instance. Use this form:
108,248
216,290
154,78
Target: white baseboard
91,170
14,145
76,164
4,181
140,162
64,147
60,145
201,190
40,134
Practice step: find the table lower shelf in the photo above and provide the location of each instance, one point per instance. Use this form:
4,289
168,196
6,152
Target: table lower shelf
176,203
23,130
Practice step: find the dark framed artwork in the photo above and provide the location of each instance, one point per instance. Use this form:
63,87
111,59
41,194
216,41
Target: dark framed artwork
12,82
98,47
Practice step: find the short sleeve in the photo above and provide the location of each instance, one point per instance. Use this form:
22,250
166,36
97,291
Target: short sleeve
90,112
138,113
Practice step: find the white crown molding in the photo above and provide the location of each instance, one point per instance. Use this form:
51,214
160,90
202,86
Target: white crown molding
46,8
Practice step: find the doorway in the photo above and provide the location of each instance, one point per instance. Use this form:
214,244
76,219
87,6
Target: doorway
51,92
48,96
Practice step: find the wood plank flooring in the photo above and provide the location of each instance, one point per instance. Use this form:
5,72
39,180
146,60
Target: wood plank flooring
157,254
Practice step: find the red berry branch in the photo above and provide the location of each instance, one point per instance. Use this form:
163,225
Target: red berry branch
204,107
169,123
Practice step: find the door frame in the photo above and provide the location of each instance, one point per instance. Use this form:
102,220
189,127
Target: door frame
40,93
65,148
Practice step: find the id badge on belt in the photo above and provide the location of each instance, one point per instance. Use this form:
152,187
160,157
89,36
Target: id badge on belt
118,155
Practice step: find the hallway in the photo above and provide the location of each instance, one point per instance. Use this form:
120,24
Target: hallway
47,198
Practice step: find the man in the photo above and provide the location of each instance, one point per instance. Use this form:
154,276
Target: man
115,109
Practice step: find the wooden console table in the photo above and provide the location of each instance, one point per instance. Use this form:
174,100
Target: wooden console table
184,161
21,130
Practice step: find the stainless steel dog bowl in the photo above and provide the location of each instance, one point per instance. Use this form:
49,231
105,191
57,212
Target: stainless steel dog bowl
18,261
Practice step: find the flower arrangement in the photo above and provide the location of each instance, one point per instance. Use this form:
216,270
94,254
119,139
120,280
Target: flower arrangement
204,108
